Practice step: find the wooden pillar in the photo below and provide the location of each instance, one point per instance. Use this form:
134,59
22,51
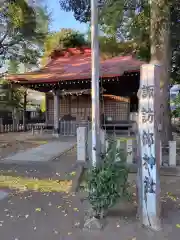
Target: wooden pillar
46,106
149,109
56,112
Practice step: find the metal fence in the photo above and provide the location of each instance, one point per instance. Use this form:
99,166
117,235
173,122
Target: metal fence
69,128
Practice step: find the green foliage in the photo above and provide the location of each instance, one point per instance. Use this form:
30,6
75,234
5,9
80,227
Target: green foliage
176,103
13,67
65,38
15,98
111,47
13,95
19,16
108,182
22,31
131,19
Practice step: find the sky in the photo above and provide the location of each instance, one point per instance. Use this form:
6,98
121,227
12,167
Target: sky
63,19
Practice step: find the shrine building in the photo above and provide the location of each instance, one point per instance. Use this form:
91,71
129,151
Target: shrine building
66,82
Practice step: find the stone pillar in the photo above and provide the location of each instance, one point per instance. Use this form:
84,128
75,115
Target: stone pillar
81,144
172,153
129,150
56,112
149,113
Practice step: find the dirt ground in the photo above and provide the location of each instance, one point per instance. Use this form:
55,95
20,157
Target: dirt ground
60,216
11,143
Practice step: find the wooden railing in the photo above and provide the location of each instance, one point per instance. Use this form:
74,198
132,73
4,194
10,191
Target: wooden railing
20,128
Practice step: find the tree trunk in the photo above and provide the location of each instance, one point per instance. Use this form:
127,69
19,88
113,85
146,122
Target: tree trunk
24,110
161,54
15,118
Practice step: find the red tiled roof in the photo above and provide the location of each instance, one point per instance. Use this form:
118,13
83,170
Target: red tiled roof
75,64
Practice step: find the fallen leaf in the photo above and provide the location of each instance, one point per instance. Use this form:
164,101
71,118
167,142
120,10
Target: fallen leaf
44,185
134,238
73,173
58,206
77,224
38,209
55,231
76,209
69,233
178,225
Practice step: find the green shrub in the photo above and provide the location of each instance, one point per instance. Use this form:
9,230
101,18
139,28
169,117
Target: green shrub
108,182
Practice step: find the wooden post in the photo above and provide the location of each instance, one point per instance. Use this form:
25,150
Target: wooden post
46,112
56,112
172,153
32,130
149,109
41,130
1,125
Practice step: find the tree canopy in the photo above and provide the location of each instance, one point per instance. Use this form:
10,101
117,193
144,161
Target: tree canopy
65,38
22,31
130,21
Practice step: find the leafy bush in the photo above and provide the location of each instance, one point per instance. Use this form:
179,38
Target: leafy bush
108,182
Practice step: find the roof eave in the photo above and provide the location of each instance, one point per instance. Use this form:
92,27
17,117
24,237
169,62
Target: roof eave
51,81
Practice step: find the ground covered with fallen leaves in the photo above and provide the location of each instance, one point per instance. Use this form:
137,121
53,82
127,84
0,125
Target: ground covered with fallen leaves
36,202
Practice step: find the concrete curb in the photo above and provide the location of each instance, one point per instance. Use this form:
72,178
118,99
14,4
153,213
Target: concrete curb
54,158
77,179
63,153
